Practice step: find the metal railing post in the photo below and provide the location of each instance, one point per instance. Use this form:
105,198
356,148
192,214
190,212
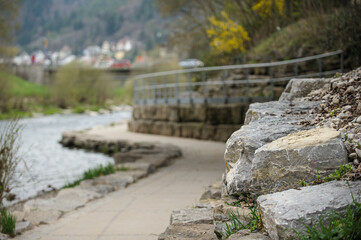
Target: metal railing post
247,86
143,90
153,91
204,87
224,92
135,89
190,88
165,89
341,62
176,89
296,69
319,61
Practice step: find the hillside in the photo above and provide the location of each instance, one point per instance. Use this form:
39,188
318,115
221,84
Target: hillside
80,23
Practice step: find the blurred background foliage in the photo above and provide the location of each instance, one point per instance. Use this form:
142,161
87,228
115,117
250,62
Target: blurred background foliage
267,30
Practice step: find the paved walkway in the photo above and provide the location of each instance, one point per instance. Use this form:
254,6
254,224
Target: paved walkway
141,211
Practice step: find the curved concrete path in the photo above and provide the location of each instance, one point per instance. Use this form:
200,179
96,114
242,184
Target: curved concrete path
141,211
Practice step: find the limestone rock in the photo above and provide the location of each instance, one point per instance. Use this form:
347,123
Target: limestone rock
125,157
189,231
298,88
292,209
118,179
192,215
212,192
277,108
247,235
3,236
143,166
38,216
241,146
65,201
22,226
91,185
281,164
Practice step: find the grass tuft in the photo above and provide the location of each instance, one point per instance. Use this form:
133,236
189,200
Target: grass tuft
95,172
7,222
236,224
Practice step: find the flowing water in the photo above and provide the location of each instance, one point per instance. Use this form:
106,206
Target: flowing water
46,163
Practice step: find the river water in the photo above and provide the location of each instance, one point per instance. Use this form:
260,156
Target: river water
46,164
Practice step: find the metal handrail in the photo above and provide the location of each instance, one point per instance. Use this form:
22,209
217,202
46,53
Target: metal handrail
241,66
160,92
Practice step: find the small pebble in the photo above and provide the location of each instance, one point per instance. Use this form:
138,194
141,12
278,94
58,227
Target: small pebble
358,152
358,120
356,162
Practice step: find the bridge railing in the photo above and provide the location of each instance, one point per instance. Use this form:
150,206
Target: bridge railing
230,84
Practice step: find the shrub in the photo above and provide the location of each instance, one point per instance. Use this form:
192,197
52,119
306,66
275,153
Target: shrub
76,84
5,86
9,155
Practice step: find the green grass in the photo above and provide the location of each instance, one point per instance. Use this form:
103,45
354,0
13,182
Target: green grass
95,172
7,222
22,88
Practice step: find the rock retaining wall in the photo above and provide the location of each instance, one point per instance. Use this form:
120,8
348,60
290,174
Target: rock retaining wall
208,122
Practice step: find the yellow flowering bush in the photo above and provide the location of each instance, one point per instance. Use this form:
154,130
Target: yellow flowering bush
265,8
226,35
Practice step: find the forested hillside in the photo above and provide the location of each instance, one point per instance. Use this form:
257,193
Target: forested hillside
229,31
80,23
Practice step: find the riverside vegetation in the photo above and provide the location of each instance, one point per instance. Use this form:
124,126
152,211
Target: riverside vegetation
9,159
74,87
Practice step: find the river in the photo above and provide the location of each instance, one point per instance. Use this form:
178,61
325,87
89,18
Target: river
46,164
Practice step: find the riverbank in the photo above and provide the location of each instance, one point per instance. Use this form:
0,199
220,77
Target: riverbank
147,203
48,208
21,99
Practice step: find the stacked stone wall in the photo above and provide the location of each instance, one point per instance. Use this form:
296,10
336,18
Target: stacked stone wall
201,121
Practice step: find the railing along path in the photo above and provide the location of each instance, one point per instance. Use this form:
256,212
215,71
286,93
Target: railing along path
216,84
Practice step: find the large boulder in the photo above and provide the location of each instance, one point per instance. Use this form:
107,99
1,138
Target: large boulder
294,209
270,169
241,146
303,155
298,88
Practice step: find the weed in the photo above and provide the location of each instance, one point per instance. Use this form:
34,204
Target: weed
236,224
339,173
7,222
303,183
